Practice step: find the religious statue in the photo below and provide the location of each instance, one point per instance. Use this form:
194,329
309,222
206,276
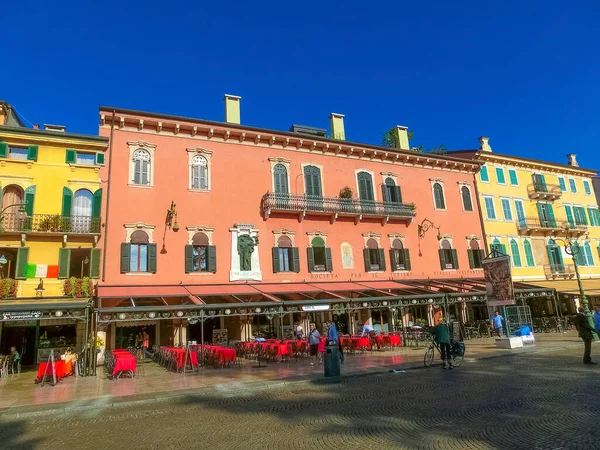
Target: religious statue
245,249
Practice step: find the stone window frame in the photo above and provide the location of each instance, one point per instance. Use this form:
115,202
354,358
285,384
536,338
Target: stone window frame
317,233
466,184
474,237
275,160
192,230
284,232
303,166
440,181
207,154
151,149
372,235
401,237
130,228
373,181
446,237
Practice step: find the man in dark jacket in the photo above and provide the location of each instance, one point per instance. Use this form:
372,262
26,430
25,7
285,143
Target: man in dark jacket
586,334
441,334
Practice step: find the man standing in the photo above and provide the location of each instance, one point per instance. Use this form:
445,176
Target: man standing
586,334
313,342
441,335
497,324
332,335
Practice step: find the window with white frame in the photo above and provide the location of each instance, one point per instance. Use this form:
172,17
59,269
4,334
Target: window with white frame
438,196
199,173
141,167
506,211
465,193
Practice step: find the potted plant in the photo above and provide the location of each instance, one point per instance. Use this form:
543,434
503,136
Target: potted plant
8,288
346,195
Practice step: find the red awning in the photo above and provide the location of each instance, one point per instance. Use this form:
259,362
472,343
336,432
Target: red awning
285,288
222,289
142,291
333,287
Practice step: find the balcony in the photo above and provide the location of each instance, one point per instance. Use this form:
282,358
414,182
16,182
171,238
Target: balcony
543,191
535,225
49,224
334,207
555,271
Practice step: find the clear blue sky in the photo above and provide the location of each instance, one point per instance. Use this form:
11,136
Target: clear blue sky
524,73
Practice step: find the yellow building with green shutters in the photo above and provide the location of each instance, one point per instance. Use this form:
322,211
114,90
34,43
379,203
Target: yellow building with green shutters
530,207
50,225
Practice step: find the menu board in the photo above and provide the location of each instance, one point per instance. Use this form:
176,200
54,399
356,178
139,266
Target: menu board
456,331
220,337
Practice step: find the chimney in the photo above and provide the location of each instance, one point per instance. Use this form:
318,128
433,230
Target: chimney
484,145
336,122
232,108
60,128
401,137
36,126
572,160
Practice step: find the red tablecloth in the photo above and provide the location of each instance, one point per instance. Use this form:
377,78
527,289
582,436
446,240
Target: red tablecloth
180,355
361,342
61,367
123,362
225,354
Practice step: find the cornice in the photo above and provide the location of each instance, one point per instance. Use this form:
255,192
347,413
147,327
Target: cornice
522,163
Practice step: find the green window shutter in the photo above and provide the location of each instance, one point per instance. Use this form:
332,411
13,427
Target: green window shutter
483,174
393,266
295,259
528,254
398,193
500,175
503,248
592,217
442,258
584,220
512,174
385,194
95,254
328,262
562,184
97,204
454,259
598,250
29,200
67,202
152,258
125,254
32,153
471,258
569,213
516,257
481,258
367,260
64,262
189,258
71,157
212,259
551,215
99,159
381,259
3,150
407,265
275,252
310,255
22,257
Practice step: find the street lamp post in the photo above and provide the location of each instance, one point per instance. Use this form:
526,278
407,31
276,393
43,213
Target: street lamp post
573,248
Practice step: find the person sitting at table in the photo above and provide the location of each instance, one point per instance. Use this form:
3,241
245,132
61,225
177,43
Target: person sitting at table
370,332
313,341
367,329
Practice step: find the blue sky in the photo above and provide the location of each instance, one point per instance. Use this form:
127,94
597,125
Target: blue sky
524,73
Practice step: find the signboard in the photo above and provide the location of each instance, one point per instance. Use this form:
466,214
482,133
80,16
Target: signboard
22,315
220,337
315,308
456,331
498,281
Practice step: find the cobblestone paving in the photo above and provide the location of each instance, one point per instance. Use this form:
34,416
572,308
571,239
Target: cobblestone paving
535,401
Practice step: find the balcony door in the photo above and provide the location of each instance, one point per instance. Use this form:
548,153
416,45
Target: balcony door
313,189
555,257
82,211
12,199
280,184
546,214
365,192
540,183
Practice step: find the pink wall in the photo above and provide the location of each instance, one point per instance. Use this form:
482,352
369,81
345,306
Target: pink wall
241,175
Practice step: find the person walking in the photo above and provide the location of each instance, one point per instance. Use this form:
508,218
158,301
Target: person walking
597,320
441,335
586,333
313,342
497,324
146,344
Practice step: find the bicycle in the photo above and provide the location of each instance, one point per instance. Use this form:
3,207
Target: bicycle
457,352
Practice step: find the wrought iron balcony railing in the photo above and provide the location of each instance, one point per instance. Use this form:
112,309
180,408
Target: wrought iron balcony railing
544,191
49,223
530,225
334,207
553,271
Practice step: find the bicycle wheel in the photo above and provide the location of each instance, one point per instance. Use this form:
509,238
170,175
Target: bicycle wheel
429,355
458,360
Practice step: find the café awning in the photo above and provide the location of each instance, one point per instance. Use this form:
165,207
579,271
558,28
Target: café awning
34,308
591,287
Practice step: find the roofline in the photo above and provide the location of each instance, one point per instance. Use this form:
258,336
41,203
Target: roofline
279,132
13,111
54,134
478,153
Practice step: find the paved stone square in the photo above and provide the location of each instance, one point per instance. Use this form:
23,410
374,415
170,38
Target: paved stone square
544,400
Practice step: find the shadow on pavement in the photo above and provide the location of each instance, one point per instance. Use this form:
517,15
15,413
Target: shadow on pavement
12,436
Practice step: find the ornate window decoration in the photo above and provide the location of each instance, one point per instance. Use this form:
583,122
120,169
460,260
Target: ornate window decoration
397,236
291,235
364,185
437,188
370,235
280,175
130,228
312,235
199,169
141,163
208,231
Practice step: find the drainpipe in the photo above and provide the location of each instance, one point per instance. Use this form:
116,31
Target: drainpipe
485,243
110,161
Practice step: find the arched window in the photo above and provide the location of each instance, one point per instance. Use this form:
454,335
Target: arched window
280,176
312,181
498,246
138,259
466,198
12,199
555,257
365,186
284,261
319,256
81,218
200,253
448,255
199,172
528,254
516,256
374,256
475,254
391,192
141,167
399,256
438,196
474,244
445,244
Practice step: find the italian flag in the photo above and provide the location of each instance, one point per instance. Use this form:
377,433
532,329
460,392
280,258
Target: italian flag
41,271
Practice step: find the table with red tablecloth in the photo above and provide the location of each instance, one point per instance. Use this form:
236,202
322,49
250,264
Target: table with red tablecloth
388,339
282,349
225,354
62,368
361,342
124,362
180,355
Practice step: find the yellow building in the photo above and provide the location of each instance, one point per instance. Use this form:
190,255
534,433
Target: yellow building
49,227
529,210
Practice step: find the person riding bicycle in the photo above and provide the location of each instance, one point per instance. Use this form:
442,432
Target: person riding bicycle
441,335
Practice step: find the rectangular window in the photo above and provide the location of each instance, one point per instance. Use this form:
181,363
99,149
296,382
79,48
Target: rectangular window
79,263
319,254
483,174
200,258
562,184
586,187
506,211
448,259
475,258
594,217
572,185
489,208
88,159
580,218
284,259
569,213
520,212
138,260
18,153
374,258
512,174
500,175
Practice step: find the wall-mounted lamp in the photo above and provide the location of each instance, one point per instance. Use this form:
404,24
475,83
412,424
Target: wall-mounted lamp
423,228
171,220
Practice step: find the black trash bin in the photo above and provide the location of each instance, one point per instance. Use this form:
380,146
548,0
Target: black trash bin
331,361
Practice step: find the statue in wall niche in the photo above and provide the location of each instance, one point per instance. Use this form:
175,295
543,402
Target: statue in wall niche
245,249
